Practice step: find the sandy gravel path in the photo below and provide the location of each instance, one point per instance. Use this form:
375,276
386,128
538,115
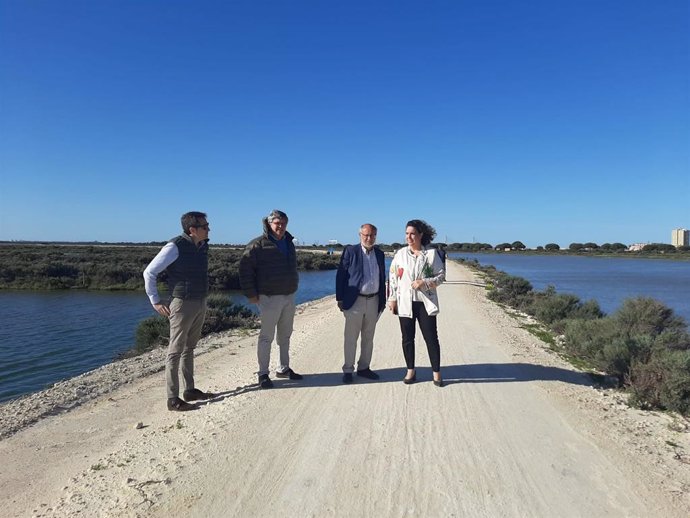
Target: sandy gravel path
516,432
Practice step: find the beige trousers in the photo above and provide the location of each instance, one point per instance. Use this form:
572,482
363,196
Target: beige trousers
360,320
186,319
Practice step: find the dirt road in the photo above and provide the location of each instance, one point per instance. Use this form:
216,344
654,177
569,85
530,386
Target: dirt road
515,432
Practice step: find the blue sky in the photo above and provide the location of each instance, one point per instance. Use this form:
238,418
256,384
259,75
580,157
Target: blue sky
541,121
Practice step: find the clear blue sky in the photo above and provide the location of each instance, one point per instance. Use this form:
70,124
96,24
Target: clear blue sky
540,121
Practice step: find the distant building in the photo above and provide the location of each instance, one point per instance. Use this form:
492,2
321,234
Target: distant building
680,237
636,247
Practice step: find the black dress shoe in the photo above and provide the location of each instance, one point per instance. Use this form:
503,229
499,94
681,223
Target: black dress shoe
175,404
439,383
410,381
289,374
197,395
347,377
265,382
368,373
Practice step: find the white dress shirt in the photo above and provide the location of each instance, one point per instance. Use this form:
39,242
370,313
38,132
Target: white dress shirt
168,255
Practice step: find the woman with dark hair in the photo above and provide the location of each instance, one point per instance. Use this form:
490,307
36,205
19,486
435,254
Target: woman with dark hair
415,273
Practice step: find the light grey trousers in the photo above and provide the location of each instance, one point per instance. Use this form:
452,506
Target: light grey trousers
186,319
277,317
360,319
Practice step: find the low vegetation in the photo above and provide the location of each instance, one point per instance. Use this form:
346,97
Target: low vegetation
643,344
91,267
221,314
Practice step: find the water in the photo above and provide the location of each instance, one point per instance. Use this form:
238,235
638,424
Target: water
608,280
54,335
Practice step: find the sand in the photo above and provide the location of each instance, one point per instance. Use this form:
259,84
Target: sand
515,432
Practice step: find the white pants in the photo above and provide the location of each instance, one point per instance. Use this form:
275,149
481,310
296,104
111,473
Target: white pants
277,314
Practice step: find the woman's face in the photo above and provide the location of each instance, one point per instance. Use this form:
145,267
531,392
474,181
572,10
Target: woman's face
413,237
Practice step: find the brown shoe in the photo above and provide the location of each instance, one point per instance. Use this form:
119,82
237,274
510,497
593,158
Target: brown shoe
175,404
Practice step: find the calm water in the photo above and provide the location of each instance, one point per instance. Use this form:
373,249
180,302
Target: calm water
608,280
51,336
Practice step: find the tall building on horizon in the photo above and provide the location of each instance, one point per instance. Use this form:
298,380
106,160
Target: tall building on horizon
680,237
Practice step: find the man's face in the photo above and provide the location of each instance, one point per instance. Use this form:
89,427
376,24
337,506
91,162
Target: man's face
199,232
278,227
367,236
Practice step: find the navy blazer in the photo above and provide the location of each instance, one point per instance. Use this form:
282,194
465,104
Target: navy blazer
350,275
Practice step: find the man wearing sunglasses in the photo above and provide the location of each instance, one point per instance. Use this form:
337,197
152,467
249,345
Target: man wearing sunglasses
269,279
185,260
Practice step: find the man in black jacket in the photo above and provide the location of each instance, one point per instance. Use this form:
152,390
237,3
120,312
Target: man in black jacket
268,277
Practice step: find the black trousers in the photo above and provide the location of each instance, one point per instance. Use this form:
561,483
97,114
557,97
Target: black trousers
428,326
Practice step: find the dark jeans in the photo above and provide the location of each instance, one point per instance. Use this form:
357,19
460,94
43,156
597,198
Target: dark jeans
428,326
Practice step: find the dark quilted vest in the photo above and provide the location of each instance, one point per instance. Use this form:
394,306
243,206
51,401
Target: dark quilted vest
188,274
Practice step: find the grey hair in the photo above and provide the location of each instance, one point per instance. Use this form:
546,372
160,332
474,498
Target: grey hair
275,213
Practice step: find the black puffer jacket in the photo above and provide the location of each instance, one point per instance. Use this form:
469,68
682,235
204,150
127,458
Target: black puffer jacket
265,270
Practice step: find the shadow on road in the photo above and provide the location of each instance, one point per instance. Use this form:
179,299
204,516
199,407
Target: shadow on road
512,372
452,374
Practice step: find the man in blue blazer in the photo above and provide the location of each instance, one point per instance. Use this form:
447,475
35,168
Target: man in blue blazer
360,289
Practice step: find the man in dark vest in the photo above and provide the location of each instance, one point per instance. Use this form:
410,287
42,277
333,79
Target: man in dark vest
185,260
268,277
360,290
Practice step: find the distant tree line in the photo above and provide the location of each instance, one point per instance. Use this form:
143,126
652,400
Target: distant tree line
554,247
56,267
643,344
519,246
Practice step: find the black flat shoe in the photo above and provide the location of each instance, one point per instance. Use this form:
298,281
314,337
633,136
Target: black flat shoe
410,381
439,383
368,373
175,404
289,374
197,395
265,382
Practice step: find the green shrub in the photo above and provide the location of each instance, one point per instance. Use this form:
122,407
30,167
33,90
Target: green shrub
663,382
643,315
584,339
222,314
673,339
549,306
510,290
151,333
640,332
588,310
617,356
